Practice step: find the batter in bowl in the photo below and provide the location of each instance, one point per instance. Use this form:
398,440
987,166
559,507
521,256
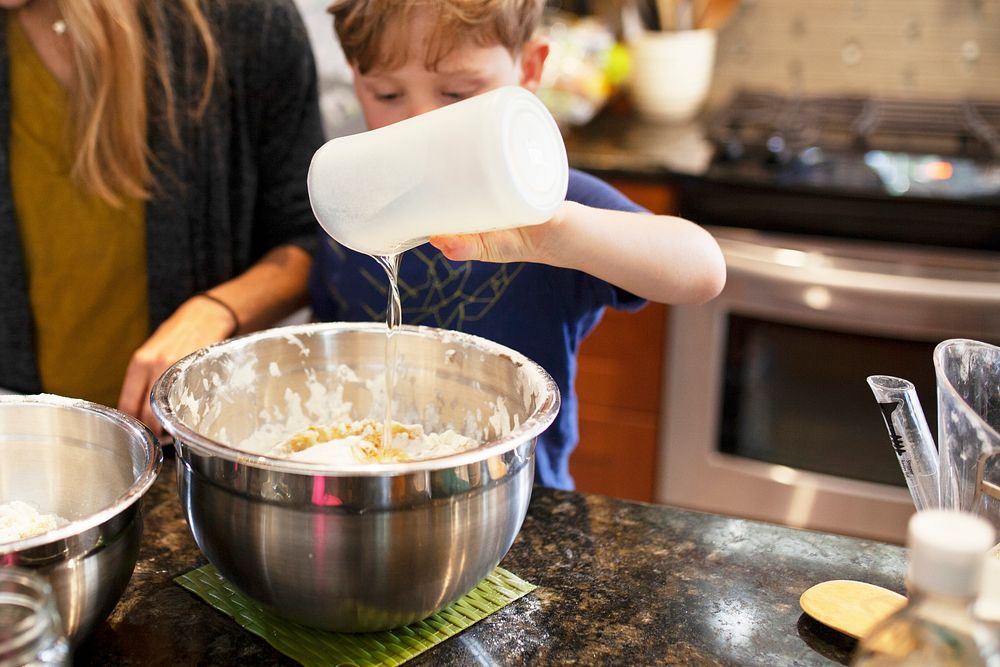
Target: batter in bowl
360,442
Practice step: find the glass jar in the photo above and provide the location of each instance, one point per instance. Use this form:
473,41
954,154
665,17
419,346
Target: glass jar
30,628
937,627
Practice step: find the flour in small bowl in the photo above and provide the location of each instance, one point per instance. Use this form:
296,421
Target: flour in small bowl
360,442
19,521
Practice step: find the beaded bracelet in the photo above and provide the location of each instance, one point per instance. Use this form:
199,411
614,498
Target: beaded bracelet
232,313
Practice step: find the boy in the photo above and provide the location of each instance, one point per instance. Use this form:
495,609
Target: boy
537,289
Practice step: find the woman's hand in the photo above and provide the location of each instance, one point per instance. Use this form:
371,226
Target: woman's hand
269,290
197,323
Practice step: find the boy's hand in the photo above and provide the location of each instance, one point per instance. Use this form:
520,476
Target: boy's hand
507,245
520,244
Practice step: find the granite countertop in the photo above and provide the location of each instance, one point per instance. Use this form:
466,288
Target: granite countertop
621,143
618,583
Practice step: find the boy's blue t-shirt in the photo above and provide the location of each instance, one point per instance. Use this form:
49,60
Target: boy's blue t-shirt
542,311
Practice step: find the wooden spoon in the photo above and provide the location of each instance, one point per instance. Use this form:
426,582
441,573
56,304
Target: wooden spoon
715,14
851,607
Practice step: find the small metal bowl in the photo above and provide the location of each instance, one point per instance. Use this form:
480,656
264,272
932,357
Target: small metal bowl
90,465
367,547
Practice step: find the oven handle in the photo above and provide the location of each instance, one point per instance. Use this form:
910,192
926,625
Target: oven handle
808,268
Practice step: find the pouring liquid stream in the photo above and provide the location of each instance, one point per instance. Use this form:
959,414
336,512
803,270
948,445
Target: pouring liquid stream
393,318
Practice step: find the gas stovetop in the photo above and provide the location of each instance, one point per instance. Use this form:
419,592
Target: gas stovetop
925,172
861,145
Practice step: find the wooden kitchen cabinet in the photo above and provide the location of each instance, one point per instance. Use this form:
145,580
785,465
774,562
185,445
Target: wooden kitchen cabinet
619,387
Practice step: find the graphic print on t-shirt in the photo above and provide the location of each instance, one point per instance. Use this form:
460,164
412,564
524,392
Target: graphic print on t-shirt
449,294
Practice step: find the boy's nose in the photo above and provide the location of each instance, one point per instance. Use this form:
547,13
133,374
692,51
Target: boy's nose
418,106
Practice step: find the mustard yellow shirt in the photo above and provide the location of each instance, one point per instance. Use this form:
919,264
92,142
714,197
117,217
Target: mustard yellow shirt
86,260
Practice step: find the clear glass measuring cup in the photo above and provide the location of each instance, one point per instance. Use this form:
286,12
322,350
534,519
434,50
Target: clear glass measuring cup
968,388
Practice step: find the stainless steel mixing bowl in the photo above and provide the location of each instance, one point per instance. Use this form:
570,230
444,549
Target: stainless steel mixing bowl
90,465
368,547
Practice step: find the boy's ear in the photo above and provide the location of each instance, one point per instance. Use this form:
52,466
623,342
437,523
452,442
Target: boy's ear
533,56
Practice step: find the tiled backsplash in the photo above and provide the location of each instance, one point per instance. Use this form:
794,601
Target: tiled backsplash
924,49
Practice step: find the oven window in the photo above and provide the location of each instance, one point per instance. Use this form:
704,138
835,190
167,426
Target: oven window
797,396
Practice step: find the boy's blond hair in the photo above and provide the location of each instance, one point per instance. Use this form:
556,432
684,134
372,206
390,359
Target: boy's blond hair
372,32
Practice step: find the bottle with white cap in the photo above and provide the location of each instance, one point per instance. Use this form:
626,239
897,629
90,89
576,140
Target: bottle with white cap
987,606
937,626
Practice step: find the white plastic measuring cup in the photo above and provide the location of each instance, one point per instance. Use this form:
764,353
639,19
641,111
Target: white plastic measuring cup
492,161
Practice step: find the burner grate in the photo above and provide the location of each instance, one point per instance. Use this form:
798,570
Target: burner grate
984,119
786,124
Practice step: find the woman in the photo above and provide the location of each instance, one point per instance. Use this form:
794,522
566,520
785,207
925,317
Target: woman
155,155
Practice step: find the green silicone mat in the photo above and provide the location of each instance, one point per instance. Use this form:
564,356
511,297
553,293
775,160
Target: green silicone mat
314,647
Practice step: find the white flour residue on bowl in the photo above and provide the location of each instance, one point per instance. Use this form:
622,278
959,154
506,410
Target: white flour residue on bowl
500,422
321,405
317,426
297,342
315,408
242,375
345,373
20,520
529,395
187,406
276,424
320,397
431,414
473,420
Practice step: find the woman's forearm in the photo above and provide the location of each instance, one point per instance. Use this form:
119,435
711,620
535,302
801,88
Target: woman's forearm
271,289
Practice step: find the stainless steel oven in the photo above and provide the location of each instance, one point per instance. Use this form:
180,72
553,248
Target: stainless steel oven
766,411
858,234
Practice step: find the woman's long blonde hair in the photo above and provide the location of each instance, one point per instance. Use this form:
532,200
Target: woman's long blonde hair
120,55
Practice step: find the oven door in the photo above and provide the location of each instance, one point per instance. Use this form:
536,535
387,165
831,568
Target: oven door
767,413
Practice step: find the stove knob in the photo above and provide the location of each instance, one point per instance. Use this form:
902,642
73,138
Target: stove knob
731,151
777,153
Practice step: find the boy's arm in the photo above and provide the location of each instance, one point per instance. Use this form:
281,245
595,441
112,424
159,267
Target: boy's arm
657,257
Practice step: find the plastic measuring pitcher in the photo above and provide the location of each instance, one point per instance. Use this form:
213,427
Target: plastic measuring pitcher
492,161
968,388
